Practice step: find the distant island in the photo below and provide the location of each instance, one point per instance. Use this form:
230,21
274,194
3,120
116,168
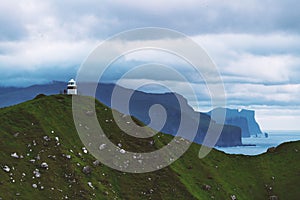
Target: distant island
245,119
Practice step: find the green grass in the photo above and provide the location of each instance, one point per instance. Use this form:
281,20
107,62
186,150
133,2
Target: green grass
243,176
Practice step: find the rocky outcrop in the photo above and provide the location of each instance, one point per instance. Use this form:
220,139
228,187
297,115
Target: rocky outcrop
245,119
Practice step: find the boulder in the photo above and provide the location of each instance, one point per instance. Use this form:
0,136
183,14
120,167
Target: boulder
87,170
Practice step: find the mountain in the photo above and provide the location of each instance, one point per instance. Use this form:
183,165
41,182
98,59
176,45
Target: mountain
140,104
42,157
15,95
245,119
175,106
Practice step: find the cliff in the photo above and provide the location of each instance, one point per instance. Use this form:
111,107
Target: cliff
245,119
141,102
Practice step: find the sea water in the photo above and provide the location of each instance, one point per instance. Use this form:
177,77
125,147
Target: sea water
262,144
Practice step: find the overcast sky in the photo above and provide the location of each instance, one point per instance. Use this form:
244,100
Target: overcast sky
255,44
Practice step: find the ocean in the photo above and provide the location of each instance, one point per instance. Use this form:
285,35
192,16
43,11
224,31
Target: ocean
262,144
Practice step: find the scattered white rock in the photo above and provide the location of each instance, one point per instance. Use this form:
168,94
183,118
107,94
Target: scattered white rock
46,138
96,162
34,185
57,139
14,155
32,160
44,165
87,170
38,157
84,150
120,145
37,173
6,168
16,134
91,185
52,132
102,146
122,151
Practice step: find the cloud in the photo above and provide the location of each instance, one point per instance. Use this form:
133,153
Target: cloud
255,44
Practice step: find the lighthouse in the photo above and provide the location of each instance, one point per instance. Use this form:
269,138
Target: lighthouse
72,87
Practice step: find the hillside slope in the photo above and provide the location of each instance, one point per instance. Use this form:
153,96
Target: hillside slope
42,157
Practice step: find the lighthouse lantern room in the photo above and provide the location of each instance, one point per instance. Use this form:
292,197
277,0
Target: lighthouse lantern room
72,87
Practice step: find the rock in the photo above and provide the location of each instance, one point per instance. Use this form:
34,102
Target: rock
102,146
91,185
14,155
46,138
37,173
87,170
122,151
44,165
271,150
84,150
206,187
96,162
89,113
16,134
34,185
273,197
233,197
6,168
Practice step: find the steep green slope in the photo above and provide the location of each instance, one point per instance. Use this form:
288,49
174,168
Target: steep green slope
42,130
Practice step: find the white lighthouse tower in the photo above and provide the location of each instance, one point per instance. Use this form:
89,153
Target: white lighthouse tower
72,87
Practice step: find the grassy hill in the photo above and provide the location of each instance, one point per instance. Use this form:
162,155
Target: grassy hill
42,131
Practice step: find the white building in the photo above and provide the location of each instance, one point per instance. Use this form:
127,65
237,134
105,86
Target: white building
72,87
